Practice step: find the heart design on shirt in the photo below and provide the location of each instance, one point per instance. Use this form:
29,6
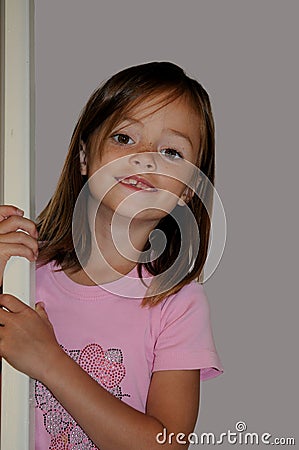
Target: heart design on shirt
103,366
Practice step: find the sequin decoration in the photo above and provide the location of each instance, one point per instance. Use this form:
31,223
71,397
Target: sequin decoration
106,367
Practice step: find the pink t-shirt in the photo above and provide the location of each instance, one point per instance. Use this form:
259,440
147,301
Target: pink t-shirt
119,343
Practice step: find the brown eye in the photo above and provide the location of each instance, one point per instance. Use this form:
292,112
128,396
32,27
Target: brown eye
122,139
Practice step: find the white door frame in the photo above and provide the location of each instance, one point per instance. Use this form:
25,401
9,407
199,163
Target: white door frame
18,181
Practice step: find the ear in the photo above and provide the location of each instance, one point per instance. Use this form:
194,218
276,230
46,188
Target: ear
82,154
188,193
185,197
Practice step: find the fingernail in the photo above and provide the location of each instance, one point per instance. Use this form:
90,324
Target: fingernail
20,212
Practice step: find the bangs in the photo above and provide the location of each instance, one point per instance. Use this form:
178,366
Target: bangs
156,99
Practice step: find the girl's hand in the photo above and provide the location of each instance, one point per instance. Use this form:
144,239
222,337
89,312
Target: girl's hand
27,339
18,236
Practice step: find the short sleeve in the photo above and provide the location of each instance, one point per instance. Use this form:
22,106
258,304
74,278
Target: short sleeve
185,340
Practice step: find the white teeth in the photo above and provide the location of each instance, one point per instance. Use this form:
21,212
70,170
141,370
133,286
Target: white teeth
129,181
144,187
137,184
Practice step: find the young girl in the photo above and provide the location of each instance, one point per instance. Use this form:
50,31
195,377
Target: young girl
120,336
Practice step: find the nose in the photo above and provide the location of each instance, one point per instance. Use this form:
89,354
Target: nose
144,161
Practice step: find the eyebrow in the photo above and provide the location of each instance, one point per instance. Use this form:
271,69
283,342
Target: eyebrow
130,121
180,134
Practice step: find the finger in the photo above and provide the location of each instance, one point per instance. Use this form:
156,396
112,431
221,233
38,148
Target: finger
18,237
3,317
17,250
40,309
9,210
12,303
14,223
39,305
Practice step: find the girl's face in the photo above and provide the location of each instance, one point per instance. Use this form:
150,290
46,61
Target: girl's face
147,160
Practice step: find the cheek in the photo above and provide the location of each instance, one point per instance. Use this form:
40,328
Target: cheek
169,194
172,184
102,172
178,175
100,182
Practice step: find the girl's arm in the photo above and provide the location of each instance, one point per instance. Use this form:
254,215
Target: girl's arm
111,423
28,342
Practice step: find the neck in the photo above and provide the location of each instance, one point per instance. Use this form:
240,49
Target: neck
117,242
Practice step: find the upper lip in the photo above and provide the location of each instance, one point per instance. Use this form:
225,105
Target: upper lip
137,178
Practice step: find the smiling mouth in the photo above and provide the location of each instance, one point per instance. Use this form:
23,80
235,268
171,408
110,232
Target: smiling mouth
136,183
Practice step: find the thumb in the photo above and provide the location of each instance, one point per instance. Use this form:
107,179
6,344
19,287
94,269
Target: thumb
40,309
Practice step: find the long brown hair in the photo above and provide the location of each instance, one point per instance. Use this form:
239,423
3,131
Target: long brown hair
105,107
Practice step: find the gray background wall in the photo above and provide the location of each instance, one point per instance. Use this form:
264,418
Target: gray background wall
245,54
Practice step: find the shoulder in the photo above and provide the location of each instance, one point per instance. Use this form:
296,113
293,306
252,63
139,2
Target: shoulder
185,316
43,270
191,292
44,275
190,300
